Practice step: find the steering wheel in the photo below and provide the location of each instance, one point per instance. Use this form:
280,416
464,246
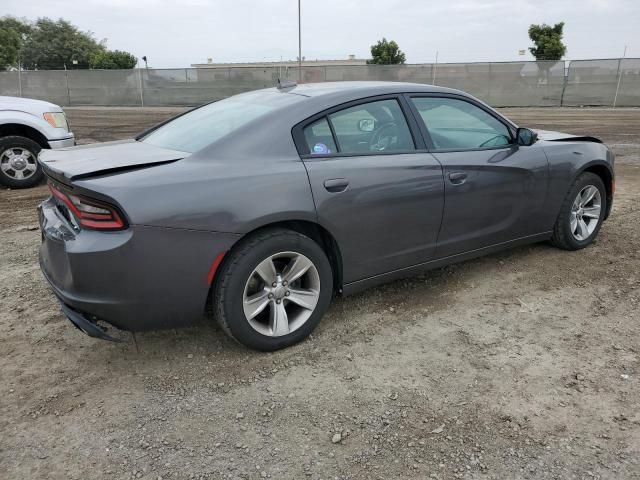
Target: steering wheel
486,142
380,142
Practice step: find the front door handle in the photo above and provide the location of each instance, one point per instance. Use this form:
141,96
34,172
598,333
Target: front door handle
336,185
457,178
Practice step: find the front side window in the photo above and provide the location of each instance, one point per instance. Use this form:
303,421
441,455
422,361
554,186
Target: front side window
458,125
374,127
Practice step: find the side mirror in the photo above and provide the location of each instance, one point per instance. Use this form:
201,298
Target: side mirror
366,124
526,137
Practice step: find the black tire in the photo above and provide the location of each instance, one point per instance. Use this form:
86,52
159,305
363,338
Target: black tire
6,178
237,268
563,236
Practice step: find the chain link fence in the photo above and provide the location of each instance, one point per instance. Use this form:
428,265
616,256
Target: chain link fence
613,82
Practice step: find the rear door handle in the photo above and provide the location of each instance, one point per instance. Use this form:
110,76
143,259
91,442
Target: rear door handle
457,178
336,185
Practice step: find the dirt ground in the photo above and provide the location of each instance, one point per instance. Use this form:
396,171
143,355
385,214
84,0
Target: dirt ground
520,365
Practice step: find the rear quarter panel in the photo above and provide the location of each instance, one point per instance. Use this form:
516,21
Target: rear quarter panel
221,195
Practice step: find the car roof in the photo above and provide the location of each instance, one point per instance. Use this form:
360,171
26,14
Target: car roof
363,88
321,96
270,135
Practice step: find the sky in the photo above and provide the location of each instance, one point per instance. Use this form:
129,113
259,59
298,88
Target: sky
179,33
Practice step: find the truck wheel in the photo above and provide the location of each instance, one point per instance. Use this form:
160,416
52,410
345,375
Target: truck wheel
19,166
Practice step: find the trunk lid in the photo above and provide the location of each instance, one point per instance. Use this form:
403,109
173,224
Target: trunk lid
85,161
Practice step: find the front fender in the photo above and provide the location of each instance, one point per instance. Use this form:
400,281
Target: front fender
567,160
605,170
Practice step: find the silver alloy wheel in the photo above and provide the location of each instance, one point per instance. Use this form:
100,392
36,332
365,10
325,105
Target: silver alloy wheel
18,163
585,212
281,294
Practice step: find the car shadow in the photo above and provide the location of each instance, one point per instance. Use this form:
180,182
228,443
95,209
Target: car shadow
434,290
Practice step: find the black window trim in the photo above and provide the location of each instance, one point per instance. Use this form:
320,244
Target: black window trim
336,141
405,108
511,128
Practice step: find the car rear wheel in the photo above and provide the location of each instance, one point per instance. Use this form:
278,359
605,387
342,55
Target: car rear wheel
272,289
19,166
581,214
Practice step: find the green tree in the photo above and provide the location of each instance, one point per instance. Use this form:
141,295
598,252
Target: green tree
548,41
112,59
52,44
386,53
13,32
9,48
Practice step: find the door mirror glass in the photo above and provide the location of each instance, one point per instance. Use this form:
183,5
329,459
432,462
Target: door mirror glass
366,124
526,137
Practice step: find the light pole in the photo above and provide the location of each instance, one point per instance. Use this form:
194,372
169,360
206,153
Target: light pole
299,46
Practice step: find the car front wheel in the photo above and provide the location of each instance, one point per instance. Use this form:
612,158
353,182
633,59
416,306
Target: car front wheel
581,214
272,289
19,166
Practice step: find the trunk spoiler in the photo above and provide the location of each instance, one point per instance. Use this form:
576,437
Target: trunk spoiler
62,178
85,161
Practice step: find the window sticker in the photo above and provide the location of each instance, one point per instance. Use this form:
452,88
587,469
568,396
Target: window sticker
320,148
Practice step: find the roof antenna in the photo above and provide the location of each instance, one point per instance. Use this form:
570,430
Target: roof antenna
282,84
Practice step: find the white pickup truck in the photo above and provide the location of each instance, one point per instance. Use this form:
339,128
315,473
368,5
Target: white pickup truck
26,127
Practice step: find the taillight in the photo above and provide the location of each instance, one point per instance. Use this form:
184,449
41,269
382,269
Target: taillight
90,213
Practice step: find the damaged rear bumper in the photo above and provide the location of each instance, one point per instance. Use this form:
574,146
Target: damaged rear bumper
87,324
139,279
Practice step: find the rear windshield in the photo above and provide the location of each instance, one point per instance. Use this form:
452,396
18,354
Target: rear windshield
203,126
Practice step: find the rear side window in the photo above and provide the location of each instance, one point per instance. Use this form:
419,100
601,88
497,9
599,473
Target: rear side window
374,127
319,138
459,125
203,126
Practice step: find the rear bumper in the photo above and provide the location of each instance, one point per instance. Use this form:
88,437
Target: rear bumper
86,324
142,278
63,143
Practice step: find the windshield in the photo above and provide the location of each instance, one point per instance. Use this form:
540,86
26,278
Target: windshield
203,126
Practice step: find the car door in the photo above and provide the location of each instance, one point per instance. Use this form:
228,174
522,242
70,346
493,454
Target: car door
495,190
376,188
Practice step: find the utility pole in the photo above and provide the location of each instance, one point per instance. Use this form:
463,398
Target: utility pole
615,98
19,76
435,66
299,46
140,85
66,81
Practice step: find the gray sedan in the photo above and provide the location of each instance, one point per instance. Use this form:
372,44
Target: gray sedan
261,207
